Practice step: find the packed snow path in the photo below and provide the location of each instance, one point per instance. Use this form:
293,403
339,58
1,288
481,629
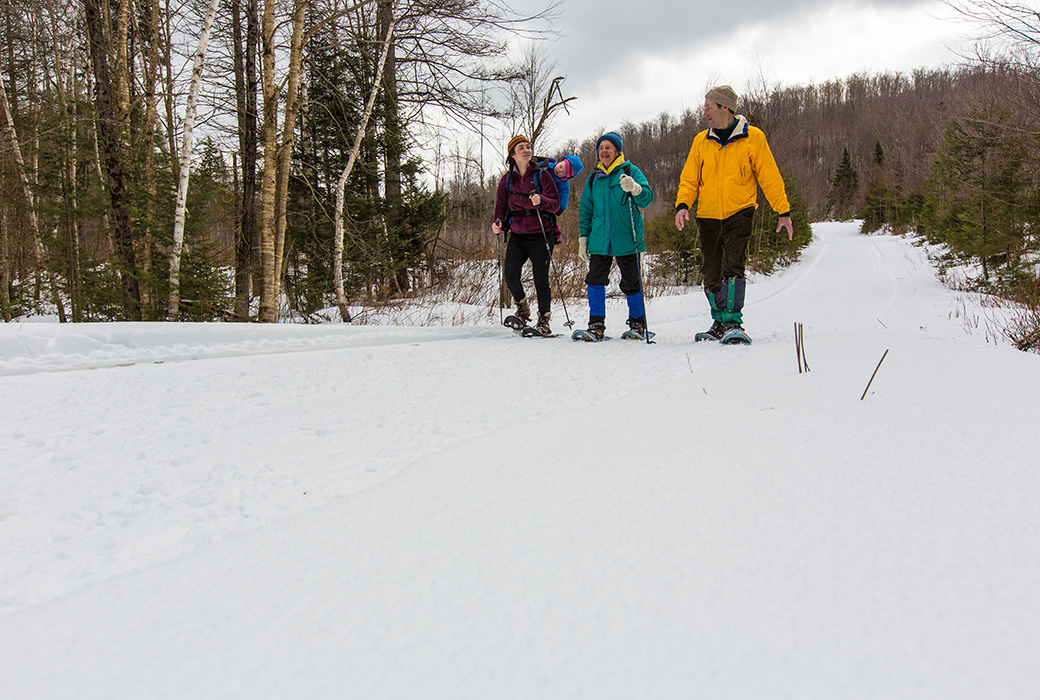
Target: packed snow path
216,511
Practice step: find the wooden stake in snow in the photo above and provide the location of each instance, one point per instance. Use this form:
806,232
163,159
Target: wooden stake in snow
799,347
874,375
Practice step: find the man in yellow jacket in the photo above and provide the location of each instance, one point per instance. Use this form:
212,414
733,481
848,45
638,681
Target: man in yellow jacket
727,163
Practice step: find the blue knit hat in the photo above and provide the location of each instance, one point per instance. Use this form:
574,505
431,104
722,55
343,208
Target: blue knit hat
614,138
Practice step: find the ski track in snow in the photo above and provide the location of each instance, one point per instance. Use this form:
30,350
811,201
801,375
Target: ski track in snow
191,441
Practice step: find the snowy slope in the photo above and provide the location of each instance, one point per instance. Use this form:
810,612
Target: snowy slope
223,511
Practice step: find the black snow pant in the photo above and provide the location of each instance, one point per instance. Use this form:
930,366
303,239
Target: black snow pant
725,243
521,248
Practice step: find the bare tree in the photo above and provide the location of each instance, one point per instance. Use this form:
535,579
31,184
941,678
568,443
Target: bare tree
5,266
151,120
99,52
245,94
534,96
285,147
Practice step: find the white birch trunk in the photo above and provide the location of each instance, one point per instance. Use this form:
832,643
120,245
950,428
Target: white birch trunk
185,159
23,174
337,258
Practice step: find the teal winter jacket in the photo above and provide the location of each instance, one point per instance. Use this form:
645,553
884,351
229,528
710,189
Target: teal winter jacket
606,216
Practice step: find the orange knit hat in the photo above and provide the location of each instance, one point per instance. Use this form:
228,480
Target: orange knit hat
513,142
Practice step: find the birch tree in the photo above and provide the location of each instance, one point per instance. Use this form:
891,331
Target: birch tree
337,258
268,287
27,191
185,161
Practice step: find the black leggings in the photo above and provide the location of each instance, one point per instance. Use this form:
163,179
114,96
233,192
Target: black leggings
520,249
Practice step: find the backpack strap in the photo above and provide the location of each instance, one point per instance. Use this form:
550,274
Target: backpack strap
510,213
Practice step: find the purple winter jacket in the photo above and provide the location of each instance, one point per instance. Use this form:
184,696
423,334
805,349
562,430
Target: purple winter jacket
514,194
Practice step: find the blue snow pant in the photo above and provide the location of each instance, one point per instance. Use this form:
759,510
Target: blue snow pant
596,283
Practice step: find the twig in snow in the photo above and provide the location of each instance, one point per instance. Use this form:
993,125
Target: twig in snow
875,374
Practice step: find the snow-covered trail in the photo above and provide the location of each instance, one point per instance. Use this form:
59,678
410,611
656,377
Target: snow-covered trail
459,513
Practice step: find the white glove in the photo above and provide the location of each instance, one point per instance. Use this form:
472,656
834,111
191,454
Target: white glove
631,186
583,248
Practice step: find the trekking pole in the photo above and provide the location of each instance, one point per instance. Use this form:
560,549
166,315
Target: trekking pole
555,270
498,292
639,266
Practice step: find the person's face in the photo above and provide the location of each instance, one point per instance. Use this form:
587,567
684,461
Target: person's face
607,152
522,152
718,117
561,170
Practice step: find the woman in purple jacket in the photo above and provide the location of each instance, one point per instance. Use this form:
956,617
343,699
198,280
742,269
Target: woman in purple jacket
525,208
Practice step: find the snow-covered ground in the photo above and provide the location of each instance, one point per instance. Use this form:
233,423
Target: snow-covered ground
233,511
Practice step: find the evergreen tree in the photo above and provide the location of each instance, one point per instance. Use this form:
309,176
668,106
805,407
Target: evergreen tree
879,154
977,197
844,188
769,250
879,203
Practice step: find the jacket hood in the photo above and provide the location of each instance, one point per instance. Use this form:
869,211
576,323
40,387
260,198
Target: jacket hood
576,165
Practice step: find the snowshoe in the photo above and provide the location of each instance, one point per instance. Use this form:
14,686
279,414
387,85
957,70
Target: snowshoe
535,332
582,334
519,320
514,322
733,334
594,334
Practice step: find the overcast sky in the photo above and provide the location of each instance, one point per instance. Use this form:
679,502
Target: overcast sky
632,60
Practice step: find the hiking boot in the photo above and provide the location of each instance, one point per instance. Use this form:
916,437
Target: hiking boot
543,323
717,330
597,329
523,311
636,329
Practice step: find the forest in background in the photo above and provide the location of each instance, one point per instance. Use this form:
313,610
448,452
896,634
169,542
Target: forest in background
305,189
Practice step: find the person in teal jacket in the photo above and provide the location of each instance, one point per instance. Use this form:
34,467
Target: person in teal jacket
610,206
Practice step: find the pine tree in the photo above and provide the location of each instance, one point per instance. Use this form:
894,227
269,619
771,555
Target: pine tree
976,199
844,188
879,205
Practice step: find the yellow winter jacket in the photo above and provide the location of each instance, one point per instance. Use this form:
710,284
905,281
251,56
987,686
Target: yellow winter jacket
721,178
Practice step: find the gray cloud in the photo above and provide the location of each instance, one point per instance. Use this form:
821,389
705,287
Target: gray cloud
598,37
